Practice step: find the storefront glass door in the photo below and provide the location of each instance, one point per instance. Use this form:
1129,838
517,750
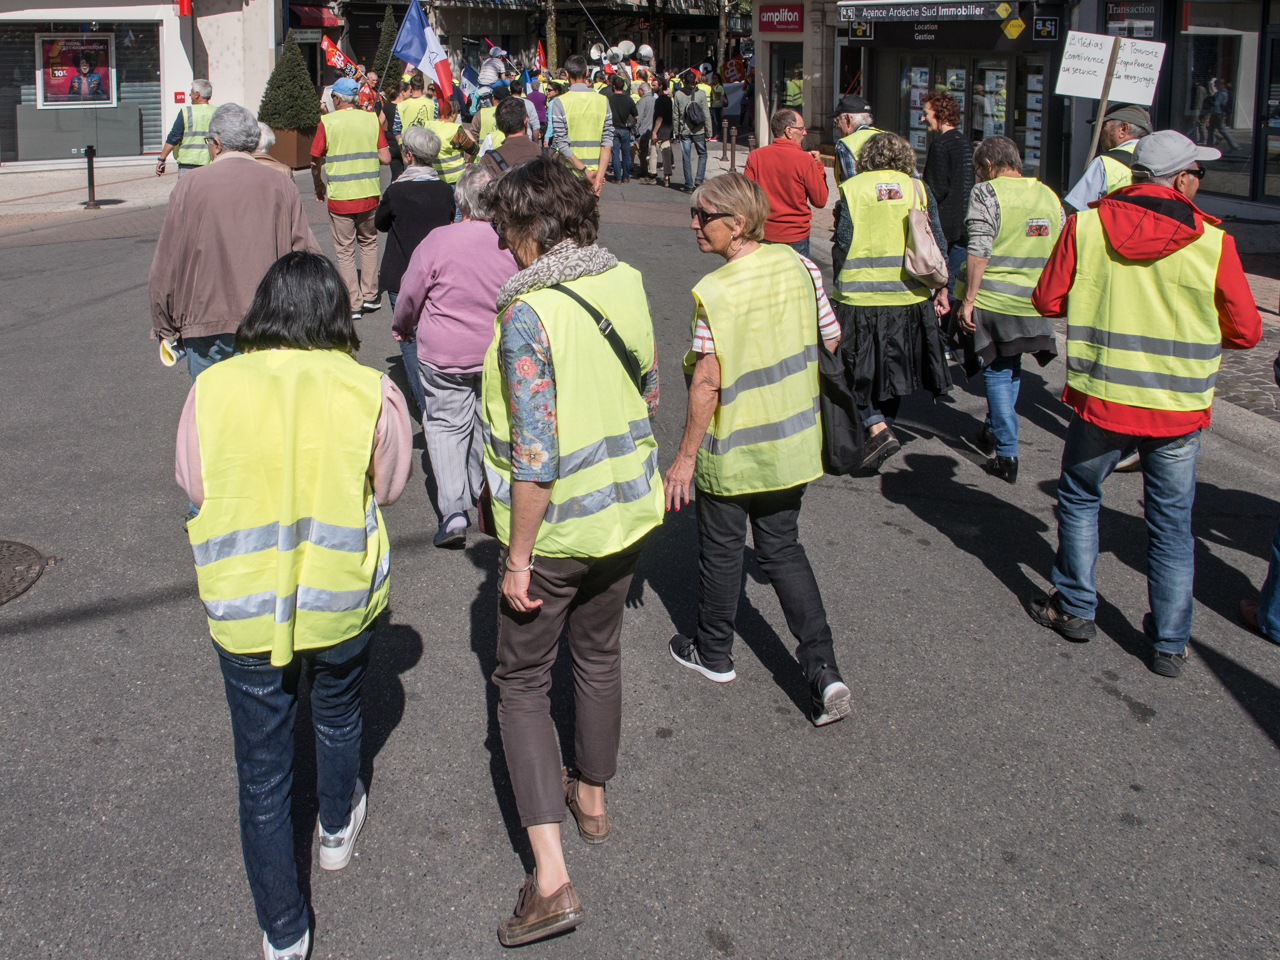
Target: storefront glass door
1271,120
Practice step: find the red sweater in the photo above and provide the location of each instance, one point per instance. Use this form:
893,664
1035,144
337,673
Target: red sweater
1147,222
792,180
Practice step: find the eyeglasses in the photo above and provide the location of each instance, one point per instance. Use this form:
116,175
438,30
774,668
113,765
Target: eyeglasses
703,217
1197,172
496,229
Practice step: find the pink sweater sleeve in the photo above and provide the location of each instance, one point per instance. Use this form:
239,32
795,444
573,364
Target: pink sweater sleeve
389,467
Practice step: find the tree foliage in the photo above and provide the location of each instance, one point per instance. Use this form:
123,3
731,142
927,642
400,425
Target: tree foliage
290,101
393,70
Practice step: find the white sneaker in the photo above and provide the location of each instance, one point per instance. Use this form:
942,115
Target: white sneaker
297,951
336,848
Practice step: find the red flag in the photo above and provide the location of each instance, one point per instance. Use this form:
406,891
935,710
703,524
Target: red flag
338,60
542,58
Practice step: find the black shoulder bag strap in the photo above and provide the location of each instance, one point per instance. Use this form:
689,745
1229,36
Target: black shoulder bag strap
1121,156
625,356
499,160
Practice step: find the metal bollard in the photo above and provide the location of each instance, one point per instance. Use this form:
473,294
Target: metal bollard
89,153
724,139
751,143
733,149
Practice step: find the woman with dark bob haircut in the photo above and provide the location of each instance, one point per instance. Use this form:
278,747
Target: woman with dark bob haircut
571,461
292,561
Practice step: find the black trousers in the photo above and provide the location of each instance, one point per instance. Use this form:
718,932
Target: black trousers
722,539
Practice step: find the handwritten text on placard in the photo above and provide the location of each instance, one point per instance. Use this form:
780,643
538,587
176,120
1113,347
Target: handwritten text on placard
1137,70
1084,65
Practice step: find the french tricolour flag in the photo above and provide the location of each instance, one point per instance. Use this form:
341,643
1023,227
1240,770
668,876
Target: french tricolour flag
417,45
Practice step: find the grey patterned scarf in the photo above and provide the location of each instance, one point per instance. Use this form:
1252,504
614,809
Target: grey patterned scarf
565,261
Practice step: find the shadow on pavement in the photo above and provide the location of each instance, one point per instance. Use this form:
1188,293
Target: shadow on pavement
1260,698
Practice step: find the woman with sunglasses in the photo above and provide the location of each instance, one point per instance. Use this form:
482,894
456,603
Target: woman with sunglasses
752,441
1013,223
570,383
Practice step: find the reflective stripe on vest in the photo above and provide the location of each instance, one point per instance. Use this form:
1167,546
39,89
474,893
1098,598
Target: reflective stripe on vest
607,493
584,115
855,142
416,111
270,580
193,151
1144,333
1118,175
451,161
1030,221
764,434
351,162
872,274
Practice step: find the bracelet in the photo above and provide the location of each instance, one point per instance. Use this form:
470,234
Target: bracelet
511,569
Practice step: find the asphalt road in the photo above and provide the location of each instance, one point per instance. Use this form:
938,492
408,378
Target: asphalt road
997,792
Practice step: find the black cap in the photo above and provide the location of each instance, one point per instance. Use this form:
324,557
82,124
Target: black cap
501,93
852,104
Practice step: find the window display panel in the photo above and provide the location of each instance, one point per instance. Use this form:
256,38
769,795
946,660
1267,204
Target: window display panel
988,108
1215,61
1028,113
913,87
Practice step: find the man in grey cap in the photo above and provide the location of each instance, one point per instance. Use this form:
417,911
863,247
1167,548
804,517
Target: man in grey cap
853,128
1122,126
1153,292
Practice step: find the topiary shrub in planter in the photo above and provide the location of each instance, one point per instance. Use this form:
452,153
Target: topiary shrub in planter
291,107
392,67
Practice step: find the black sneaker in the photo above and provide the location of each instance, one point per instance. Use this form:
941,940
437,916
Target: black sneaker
1003,468
831,699
685,651
1047,612
1168,664
372,305
880,448
985,441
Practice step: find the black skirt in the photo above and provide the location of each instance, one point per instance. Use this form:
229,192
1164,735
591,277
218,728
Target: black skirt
893,351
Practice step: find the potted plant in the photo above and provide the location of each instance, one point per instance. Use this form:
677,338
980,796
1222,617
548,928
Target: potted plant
392,67
291,107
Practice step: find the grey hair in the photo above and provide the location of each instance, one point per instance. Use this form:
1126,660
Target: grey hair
1143,175
339,98
267,138
644,90
999,153
203,89
235,128
469,192
861,119
422,143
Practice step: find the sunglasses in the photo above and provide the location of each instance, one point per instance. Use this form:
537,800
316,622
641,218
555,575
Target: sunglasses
703,217
1197,172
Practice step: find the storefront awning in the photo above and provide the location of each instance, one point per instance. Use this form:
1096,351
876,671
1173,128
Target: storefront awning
897,10
315,16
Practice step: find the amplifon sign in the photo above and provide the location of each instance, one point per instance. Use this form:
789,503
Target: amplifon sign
781,18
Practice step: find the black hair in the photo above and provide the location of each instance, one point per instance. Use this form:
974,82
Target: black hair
516,88
510,116
576,67
300,303
620,83
417,83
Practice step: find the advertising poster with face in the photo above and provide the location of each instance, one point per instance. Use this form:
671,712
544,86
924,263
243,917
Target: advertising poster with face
75,70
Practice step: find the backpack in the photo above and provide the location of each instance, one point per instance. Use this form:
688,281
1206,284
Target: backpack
694,115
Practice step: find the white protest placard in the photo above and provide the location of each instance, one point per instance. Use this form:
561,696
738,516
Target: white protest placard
1084,65
1137,70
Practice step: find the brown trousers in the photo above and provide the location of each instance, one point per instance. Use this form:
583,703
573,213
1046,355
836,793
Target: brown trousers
350,230
589,593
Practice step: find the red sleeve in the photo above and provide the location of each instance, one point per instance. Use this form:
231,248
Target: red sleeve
382,137
1050,296
317,145
815,184
1237,313
749,168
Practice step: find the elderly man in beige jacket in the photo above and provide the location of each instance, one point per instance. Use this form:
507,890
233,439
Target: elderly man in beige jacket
227,223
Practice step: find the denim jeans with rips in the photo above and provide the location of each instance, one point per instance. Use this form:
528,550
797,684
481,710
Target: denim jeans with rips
1169,486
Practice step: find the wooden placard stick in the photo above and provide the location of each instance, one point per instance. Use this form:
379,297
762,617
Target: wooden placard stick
1102,103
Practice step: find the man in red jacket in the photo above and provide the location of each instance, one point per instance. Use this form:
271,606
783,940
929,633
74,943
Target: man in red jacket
791,178
1153,292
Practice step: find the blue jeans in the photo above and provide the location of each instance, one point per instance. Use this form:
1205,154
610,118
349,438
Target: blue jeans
409,357
880,411
801,247
264,701
204,352
620,161
1269,602
1003,377
1169,489
698,143
956,255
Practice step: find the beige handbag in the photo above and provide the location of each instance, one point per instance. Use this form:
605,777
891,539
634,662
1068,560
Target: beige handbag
922,258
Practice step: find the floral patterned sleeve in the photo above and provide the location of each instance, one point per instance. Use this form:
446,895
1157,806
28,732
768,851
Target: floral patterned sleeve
525,354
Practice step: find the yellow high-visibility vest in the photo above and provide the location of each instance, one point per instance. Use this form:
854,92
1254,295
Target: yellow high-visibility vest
608,492
489,127
872,274
351,154
765,433
416,111
794,96
1030,221
451,161
1118,175
290,549
584,115
855,142
1144,333
193,151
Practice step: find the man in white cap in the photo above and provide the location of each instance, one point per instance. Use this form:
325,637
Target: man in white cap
493,69
1153,292
1122,126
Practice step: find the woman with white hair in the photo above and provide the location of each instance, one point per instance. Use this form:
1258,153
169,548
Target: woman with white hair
447,299
414,205
262,153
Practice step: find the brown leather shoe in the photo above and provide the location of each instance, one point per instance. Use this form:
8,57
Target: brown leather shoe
537,917
591,829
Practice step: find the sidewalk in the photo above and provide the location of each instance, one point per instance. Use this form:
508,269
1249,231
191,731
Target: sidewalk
39,199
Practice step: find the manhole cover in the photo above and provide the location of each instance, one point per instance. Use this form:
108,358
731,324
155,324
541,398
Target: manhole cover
20,567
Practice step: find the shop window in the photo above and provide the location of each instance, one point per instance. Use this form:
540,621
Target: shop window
1028,113
1215,62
